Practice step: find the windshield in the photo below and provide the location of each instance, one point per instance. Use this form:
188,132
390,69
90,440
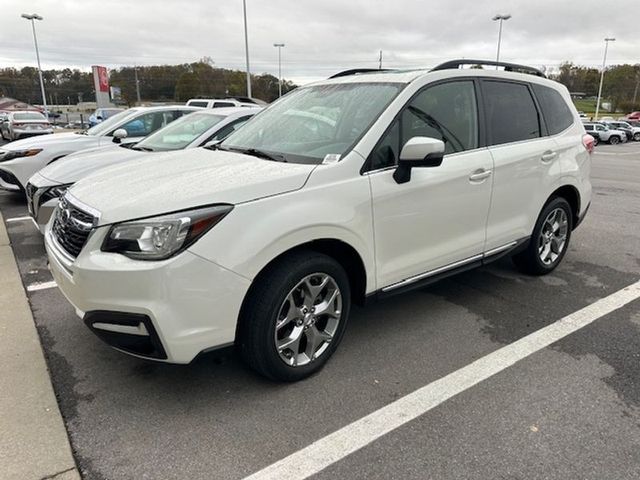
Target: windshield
109,123
310,123
177,135
28,116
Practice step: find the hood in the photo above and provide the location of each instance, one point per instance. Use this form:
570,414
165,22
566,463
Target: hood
73,167
41,141
172,181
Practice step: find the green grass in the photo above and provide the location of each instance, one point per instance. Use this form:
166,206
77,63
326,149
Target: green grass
584,105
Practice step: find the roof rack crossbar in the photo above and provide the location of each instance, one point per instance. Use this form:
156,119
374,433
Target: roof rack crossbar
355,71
508,67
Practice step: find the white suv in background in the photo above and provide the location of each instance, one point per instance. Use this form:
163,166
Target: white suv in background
360,186
225,102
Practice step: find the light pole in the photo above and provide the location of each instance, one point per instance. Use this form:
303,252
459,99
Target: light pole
500,18
246,47
33,17
279,47
604,63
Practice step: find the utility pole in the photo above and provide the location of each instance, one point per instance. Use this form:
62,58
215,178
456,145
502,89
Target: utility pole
246,47
380,61
635,92
604,64
135,71
32,18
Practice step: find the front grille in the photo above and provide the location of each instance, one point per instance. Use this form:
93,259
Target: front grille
71,227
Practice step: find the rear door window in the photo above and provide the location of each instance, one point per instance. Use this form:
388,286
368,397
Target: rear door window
511,113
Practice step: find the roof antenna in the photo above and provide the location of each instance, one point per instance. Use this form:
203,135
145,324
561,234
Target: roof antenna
380,61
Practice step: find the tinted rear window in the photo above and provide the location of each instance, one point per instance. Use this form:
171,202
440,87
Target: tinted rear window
556,113
29,116
198,104
511,113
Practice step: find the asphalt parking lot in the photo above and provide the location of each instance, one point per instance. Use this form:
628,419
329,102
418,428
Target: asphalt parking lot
571,410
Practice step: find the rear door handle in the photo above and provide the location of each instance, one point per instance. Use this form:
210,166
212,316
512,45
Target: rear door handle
549,156
479,175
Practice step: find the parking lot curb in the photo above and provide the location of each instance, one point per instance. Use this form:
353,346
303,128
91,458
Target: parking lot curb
34,443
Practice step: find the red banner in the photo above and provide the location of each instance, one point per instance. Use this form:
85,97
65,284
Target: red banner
101,78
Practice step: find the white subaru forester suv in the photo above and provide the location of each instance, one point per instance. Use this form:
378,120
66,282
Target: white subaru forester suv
363,185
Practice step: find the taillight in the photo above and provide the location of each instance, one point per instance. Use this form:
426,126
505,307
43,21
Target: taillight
589,142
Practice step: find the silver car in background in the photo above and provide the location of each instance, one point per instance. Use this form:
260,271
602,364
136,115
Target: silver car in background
17,125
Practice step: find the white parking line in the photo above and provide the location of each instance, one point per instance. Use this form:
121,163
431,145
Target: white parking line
18,219
41,286
334,447
618,154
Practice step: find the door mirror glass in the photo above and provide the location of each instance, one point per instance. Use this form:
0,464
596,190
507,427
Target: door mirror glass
418,152
119,134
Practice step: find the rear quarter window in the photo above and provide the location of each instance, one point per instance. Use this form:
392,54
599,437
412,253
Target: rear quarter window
555,111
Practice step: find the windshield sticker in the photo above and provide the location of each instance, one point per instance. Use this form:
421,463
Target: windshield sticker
331,158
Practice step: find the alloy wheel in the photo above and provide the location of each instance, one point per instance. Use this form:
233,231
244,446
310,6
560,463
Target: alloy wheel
553,236
308,319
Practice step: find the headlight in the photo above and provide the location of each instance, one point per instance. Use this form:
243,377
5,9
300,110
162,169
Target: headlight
161,237
11,154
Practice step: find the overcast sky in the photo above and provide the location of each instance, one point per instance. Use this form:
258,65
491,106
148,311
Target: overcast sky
321,36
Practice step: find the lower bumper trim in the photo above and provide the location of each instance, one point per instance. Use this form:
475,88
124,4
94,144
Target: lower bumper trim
130,332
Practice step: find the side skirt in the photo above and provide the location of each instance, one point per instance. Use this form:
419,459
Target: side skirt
438,274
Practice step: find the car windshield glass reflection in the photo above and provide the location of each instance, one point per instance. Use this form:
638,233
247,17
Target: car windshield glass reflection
310,123
179,134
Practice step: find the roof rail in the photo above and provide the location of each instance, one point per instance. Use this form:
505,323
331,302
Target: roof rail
355,71
508,67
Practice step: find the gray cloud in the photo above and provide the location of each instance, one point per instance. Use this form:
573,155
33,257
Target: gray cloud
321,37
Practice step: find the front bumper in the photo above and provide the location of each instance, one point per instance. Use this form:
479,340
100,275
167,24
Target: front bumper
191,304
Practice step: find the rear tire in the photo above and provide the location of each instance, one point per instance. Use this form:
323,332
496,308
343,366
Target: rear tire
549,241
294,318
614,140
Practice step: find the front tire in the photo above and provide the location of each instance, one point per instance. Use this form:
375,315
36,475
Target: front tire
614,140
294,318
549,241
636,137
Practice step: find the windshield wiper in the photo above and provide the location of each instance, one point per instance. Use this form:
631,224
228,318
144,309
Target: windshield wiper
254,152
141,149
217,146
82,132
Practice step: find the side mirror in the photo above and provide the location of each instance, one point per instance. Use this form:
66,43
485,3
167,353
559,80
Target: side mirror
119,134
212,143
99,118
418,152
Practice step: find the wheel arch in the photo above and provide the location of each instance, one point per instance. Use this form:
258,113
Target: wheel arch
344,253
572,196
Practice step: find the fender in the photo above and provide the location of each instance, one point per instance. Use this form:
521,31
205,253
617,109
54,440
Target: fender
340,211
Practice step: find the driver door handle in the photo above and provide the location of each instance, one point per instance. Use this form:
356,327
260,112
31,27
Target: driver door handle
479,175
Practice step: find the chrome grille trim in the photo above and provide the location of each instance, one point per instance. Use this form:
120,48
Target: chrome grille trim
72,225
